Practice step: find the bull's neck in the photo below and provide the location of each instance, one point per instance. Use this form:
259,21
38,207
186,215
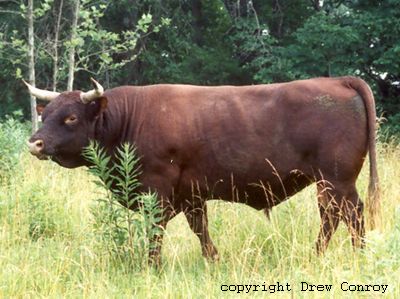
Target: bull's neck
119,122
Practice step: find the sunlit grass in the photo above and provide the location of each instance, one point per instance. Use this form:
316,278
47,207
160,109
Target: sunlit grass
64,259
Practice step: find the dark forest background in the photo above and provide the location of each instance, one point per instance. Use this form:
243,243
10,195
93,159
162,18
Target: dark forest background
205,42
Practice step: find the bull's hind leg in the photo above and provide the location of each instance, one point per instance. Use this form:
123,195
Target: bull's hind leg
329,213
339,201
352,215
198,222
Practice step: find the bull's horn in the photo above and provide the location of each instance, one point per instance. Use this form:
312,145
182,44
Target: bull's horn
40,93
93,94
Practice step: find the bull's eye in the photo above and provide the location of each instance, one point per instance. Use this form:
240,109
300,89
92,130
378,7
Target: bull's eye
72,119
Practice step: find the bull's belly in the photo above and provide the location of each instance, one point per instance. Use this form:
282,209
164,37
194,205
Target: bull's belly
260,194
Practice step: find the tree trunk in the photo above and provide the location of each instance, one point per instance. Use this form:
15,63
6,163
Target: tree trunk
71,54
31,63
316,5
236,8
278,14
55,46
197,21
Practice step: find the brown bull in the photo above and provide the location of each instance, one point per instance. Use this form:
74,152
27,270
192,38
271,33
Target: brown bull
256,145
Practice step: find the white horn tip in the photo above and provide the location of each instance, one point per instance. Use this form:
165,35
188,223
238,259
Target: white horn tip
91,95
97,86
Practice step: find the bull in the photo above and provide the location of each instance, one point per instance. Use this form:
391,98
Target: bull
256,145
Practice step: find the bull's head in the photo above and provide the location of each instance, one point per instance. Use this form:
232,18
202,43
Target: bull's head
68,124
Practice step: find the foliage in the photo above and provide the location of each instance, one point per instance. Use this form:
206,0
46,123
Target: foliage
100,50
391,128
207,42
13,136
256,50
320,48
42,212
195,48
123,233
43,220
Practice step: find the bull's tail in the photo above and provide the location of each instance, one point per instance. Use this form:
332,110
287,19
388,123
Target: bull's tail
373,200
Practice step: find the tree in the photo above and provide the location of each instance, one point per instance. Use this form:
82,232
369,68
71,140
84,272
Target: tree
378,49
72,45
56,45
333,39
201,42
195,48
31,63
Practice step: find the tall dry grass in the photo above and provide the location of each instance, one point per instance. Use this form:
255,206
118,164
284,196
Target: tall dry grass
48,247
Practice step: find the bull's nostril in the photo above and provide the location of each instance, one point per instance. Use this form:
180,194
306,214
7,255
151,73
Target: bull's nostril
39,143
36,146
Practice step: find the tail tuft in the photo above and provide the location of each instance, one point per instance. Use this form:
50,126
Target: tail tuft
374,206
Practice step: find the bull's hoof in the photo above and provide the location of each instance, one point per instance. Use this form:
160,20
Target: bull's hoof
320,248
154,261
215,257
358,242
211,254
267,213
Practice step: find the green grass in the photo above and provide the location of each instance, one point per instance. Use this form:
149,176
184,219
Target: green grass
48,247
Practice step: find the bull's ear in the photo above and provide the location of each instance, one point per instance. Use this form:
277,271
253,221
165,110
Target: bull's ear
97,107
40,108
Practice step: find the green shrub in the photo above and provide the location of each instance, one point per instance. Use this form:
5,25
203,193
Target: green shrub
393,125
124,234
389,129
42,213
13,135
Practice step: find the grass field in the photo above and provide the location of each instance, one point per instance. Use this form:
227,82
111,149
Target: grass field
65,258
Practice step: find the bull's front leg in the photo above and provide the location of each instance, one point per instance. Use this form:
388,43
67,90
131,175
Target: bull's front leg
196,216
159,178
155,248
155,241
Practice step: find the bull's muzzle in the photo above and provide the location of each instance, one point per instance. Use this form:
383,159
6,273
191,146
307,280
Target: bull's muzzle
36,147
